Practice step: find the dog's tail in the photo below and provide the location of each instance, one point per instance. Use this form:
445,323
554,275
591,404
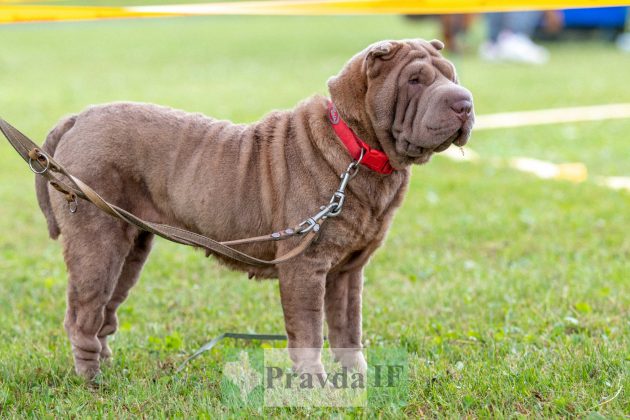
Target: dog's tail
41,183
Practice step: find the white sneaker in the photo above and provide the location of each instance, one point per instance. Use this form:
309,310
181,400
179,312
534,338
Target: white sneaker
623,42
519,48
488,51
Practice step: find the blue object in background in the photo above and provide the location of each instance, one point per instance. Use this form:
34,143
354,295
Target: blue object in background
601,17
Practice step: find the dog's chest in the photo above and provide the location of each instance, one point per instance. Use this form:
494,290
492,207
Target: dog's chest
365,222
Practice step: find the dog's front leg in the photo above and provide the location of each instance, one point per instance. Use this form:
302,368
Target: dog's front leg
343,316
302,288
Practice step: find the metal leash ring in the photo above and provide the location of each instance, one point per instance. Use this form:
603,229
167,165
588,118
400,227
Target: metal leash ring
354,165
30,164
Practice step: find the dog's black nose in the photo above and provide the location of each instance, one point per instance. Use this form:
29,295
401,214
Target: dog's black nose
462,108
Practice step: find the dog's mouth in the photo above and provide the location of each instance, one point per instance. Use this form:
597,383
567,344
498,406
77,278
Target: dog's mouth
414,150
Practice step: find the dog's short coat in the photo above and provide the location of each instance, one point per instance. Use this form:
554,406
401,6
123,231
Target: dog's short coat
229,181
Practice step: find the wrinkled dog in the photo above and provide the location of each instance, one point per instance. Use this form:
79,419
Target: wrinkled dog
230,181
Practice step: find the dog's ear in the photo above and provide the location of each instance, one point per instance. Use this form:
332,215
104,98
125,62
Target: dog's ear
437,44
349,87
377,54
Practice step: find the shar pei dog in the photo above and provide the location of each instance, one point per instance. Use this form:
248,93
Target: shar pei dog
399,99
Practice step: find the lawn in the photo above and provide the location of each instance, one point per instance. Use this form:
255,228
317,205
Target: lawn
510,294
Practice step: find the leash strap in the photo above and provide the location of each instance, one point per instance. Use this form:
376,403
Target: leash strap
210,344
44,165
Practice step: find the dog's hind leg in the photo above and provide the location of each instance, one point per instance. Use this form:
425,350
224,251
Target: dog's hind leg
128,278
94,254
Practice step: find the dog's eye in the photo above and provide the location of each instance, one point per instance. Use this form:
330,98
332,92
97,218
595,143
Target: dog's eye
414,80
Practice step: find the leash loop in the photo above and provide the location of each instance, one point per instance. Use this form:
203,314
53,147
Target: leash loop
35,154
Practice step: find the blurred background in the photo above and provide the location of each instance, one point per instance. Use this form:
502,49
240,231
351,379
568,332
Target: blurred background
506,273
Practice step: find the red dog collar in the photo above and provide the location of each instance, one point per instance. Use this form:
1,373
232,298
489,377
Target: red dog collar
373,159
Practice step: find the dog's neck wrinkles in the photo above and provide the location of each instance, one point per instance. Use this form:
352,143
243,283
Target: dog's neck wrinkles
369,186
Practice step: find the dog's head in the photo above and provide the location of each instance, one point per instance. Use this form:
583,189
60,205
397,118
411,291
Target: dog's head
406,96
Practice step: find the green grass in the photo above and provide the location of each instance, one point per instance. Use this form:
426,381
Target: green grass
511,294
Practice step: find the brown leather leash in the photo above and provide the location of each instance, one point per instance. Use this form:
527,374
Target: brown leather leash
43,164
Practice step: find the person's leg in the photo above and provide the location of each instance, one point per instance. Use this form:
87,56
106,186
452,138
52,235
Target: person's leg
494,24
509,38
523,22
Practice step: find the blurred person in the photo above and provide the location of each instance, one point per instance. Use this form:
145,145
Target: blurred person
454,29
509,38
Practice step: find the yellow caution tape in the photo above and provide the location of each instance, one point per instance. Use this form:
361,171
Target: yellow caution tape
574,171
16,14
30,13
26,1
355,7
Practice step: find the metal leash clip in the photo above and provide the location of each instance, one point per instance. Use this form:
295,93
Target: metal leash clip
336,201
73,203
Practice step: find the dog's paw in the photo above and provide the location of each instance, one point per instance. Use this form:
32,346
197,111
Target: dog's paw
312,368
106,354
88,370
352,359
